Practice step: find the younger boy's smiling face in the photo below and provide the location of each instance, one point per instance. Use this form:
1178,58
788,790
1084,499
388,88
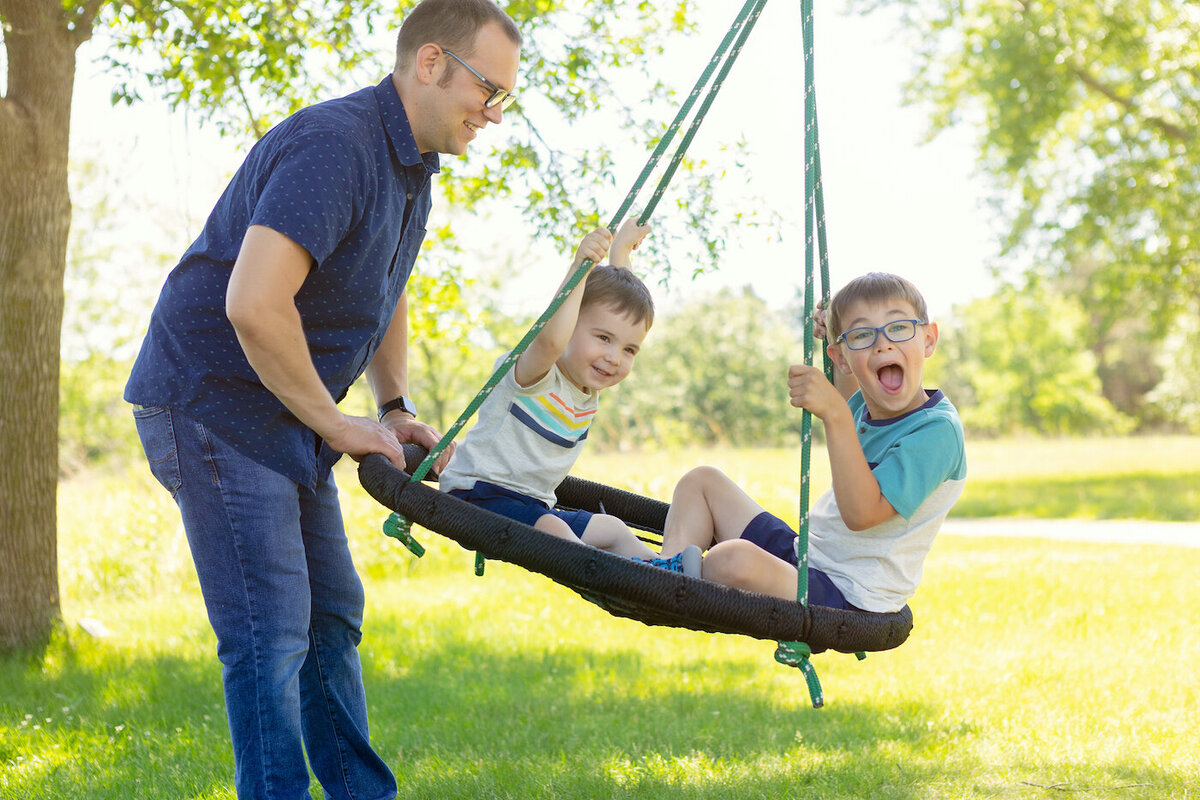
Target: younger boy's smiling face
888,373
602,348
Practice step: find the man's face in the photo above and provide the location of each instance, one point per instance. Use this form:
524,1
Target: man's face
456,113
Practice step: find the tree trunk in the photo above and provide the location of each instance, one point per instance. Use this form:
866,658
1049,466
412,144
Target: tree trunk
35,215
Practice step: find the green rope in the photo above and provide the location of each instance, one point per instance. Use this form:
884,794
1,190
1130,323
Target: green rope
797,654
398,526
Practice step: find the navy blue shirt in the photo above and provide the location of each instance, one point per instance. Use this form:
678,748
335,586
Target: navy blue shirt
344,180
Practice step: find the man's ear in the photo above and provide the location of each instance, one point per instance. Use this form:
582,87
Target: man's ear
427,62
931,338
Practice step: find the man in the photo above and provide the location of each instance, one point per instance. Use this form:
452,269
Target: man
294,289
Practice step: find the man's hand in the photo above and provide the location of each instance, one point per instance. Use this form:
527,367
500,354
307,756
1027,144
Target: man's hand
359,436
406,428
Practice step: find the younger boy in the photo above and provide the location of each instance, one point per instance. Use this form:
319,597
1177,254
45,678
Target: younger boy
896,455
531,427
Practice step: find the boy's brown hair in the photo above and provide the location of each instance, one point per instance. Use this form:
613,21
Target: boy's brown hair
619,289
874,287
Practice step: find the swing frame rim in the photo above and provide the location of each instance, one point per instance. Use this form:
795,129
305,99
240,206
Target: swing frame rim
629,588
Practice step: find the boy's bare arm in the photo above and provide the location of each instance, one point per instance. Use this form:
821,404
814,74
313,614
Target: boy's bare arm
544,350
628,237
859,498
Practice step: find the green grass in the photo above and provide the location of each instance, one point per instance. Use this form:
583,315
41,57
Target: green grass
1148,478
1036,669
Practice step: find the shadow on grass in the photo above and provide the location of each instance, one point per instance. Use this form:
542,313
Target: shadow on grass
1144,495
459,718
466,723
91,720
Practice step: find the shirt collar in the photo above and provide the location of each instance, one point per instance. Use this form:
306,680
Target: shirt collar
399,131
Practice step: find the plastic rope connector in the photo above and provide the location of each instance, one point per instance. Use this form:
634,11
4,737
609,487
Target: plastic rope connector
796,654
399,527
480,562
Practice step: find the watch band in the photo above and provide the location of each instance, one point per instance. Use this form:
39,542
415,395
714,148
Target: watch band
401,403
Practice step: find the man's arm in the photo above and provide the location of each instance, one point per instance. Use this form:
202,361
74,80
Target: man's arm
859,498
260,303
387,375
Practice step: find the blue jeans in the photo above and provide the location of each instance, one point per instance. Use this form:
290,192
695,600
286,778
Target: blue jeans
286,604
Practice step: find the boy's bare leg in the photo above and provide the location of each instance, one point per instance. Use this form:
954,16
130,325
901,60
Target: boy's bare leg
552,524
745,565
706,507
609,533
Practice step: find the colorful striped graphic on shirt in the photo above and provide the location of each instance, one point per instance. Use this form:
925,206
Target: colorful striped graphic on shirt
553,418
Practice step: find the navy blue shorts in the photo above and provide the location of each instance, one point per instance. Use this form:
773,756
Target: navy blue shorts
520,507
777,537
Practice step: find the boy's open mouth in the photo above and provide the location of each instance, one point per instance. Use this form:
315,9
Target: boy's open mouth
891,377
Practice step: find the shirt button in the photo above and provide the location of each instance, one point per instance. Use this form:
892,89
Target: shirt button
409,195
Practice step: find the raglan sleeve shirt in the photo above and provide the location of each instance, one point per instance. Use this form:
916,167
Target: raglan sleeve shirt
919,461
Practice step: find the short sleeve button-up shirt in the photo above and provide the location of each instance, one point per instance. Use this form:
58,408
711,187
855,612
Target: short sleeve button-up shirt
344,180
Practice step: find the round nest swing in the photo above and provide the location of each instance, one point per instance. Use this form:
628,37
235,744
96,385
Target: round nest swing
621,586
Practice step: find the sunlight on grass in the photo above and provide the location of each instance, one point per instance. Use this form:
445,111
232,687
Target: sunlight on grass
1156,478
1033,664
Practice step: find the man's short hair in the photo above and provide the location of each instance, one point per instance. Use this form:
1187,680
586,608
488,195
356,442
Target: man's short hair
621,290
453,24
874,287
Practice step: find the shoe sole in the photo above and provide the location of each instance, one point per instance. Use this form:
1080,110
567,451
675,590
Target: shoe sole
691,559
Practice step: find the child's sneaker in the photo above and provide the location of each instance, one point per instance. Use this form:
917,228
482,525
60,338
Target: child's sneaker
686,563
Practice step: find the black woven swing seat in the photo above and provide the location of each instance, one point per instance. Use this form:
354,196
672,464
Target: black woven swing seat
621,586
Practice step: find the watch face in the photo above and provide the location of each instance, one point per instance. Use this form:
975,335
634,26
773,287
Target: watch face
399,404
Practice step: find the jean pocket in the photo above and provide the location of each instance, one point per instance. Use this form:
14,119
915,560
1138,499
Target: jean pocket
156,429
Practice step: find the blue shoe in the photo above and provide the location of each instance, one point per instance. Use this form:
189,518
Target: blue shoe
672,564
685,563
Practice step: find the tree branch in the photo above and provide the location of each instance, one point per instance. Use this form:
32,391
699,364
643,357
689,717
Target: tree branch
1095,84
82,24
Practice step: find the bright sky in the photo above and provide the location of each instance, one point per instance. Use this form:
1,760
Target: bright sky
893,203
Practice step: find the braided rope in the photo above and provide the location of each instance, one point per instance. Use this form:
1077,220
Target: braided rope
399,527
797,654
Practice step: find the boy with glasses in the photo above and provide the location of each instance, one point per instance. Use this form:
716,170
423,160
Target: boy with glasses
896,455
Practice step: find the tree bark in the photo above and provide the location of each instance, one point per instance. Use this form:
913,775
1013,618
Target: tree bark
35,214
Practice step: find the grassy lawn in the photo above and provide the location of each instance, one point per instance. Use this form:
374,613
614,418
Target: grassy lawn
1151,478
1036,669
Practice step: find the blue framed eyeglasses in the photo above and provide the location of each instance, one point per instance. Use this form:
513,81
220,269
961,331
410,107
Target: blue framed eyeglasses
898,330
500,97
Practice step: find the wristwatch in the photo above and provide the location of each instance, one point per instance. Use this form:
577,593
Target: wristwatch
401,403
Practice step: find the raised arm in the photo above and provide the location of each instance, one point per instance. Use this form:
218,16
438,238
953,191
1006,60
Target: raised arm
628,237
543,351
